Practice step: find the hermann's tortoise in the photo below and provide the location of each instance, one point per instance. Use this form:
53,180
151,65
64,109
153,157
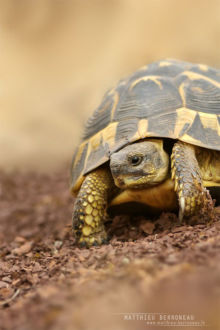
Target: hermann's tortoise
155,139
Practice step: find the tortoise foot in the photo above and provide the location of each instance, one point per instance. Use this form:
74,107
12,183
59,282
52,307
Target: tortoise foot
193,197
89,214
96,239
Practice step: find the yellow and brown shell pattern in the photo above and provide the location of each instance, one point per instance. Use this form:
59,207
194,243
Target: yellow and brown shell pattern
169,98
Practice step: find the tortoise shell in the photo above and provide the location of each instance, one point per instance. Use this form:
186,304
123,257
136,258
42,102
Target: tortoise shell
168,98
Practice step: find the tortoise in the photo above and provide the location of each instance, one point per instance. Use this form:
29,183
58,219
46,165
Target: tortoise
155,140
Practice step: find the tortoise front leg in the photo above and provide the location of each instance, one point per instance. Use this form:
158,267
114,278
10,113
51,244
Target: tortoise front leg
192,195
89,213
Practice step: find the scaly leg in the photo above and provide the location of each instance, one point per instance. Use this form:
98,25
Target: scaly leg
89,213
185,171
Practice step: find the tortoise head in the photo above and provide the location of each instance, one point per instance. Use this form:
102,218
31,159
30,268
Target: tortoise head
140,165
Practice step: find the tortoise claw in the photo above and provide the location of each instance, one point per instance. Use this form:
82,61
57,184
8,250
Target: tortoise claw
181,208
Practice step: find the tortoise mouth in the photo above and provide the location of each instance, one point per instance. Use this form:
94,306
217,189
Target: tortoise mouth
136,182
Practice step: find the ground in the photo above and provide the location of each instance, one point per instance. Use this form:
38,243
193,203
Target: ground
168,271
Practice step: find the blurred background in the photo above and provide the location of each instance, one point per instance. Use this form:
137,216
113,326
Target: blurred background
58,57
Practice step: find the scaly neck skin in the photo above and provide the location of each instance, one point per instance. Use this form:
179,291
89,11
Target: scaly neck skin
140,165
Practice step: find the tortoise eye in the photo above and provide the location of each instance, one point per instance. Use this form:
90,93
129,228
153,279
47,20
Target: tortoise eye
136,160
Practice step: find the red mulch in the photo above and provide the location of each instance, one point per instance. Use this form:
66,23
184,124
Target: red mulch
46,282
